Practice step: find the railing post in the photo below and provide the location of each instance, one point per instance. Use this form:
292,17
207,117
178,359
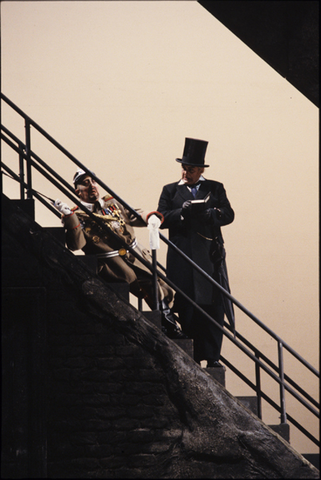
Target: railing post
281,375
140,304
21,172
155,284
28,150
258,386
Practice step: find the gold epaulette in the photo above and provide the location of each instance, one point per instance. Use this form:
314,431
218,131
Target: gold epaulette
106,198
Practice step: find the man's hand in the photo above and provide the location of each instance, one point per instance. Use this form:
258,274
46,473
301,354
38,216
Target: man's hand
186,209
205,216
62,207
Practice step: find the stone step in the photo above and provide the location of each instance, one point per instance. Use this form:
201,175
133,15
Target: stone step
250,402
91,262
28,206
313,458
154,316
57,232
283,429
218,373
186,344
122,289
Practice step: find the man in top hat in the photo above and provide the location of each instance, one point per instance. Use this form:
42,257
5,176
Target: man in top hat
195,228
115,262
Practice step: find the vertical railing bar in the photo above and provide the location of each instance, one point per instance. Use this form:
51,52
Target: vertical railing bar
140,304
281,375
21,172
155,285
28,150
258,386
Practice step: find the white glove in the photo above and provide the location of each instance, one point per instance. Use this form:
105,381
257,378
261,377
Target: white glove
62,207
153,224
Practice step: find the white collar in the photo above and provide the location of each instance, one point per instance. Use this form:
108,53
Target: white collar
90,206
201,179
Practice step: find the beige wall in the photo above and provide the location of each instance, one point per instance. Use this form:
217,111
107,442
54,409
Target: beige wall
121,84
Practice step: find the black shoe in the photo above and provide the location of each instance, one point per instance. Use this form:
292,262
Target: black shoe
176,334
170,324
213,364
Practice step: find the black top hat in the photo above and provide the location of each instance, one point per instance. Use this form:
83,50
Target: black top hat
194,153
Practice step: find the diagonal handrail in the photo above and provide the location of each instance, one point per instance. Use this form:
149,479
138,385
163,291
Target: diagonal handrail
25,153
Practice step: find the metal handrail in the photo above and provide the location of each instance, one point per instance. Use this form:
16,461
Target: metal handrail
241,307
25,153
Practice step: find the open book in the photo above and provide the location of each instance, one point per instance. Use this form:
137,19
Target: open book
200,204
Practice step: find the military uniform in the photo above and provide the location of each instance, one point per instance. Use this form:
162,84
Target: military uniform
115,263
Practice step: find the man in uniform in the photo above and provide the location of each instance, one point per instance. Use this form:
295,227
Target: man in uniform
194,211
115,263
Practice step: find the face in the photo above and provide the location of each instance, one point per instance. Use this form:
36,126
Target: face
191,175
87,190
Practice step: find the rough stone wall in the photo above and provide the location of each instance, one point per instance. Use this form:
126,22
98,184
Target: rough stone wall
121,399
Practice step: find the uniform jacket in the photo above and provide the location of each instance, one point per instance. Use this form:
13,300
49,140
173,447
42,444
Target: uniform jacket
194,237
82,232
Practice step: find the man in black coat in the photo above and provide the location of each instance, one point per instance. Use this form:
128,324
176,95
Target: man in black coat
195,228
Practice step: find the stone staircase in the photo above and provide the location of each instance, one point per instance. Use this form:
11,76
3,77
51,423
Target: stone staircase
249,402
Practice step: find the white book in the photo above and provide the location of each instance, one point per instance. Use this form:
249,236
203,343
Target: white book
200,203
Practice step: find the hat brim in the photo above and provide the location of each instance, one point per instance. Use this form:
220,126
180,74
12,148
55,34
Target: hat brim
179,160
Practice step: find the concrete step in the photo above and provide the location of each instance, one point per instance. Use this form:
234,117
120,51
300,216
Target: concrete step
250,402
283,429
313,458
218,373
28,206
91,262
154,316
57,232
186,344
122,289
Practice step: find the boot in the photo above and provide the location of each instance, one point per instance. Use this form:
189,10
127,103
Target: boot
170,325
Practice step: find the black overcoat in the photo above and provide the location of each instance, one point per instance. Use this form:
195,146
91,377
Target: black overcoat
194,237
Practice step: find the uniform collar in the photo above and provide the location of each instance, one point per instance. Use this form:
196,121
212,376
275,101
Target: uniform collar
91,206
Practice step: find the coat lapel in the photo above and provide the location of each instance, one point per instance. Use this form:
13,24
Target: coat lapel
203,190
184,192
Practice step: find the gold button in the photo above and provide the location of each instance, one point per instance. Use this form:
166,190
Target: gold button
122,251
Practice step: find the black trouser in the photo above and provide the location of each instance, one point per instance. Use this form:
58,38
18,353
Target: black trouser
207,336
